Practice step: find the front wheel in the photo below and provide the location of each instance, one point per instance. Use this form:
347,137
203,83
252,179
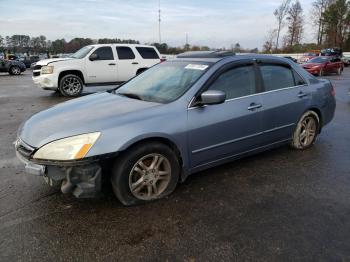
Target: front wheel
71,85
306,131
145,173
15,70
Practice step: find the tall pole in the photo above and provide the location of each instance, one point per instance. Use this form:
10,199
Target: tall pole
159,20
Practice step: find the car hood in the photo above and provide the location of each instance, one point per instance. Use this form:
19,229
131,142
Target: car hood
309,65
88,114
52,60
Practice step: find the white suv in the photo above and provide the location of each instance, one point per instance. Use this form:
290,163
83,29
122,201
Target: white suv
103,64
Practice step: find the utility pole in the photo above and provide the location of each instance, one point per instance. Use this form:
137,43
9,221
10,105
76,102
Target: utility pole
159,20
187,46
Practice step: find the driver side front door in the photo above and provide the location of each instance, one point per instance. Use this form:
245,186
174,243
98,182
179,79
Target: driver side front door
220,132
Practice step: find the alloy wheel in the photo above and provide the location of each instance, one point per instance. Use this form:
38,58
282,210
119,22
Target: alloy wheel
15,70
307,131
71,86
150,176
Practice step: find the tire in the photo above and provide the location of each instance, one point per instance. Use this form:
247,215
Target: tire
129,172
71,85
306,131
15,70
339,71
321,72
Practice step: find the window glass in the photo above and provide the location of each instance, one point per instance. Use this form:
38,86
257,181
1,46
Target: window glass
276,77
164,82
147,52
236,82
125,53
104,53
298,79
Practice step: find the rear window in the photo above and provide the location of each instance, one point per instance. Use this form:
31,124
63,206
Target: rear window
125,53
147,52
276,77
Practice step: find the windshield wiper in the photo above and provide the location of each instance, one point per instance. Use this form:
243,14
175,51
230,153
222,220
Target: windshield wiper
131,95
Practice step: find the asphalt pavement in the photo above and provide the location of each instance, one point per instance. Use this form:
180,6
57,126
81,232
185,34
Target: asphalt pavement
282,205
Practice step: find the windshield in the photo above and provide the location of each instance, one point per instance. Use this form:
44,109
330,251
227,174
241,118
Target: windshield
164,82
319,60
81,53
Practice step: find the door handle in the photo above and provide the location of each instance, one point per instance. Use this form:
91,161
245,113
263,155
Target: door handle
302,94
112,64
254,106
134,63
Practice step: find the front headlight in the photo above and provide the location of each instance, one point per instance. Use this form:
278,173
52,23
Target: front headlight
70,148
46,70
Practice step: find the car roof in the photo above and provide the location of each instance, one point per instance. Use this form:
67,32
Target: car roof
124,44
204,57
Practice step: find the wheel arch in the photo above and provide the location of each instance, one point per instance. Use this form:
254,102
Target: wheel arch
140,70
160,139
71,72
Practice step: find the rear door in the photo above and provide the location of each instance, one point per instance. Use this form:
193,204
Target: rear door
104,68
127,63
284,100
217,132
149,56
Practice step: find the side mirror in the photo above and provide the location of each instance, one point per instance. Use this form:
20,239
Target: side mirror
212,97
94,57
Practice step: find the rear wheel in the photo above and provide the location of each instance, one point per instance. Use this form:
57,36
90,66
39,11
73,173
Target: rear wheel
15,70
321,73
71,85
306,131
339,71
145,173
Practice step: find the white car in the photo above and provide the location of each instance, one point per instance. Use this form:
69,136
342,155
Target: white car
102,64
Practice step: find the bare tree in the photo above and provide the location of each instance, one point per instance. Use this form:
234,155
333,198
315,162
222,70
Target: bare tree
280,14
295,23
270,41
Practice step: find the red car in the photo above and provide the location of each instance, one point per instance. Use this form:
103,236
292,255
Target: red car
324,65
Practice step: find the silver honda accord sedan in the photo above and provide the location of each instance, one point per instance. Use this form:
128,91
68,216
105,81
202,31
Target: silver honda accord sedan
179,117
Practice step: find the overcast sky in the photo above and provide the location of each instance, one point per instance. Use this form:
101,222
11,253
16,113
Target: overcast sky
207,22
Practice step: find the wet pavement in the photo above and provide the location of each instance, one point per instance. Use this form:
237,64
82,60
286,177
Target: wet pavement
282,205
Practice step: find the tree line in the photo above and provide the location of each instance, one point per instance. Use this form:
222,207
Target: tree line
40,44
329,18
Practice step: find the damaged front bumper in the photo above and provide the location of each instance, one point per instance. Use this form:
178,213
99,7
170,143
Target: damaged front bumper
81,178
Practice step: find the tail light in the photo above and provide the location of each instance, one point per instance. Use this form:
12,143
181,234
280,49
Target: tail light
162,60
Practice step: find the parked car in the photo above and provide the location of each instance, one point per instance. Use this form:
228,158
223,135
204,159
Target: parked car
310,55
12,67
29,60
324,65
107,64
177,118
346,60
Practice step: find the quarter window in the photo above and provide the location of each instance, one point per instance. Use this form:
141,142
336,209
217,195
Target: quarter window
104,53
236,82
125,53
276,77
147,52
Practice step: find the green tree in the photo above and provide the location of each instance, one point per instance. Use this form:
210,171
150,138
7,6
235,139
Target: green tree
337,22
